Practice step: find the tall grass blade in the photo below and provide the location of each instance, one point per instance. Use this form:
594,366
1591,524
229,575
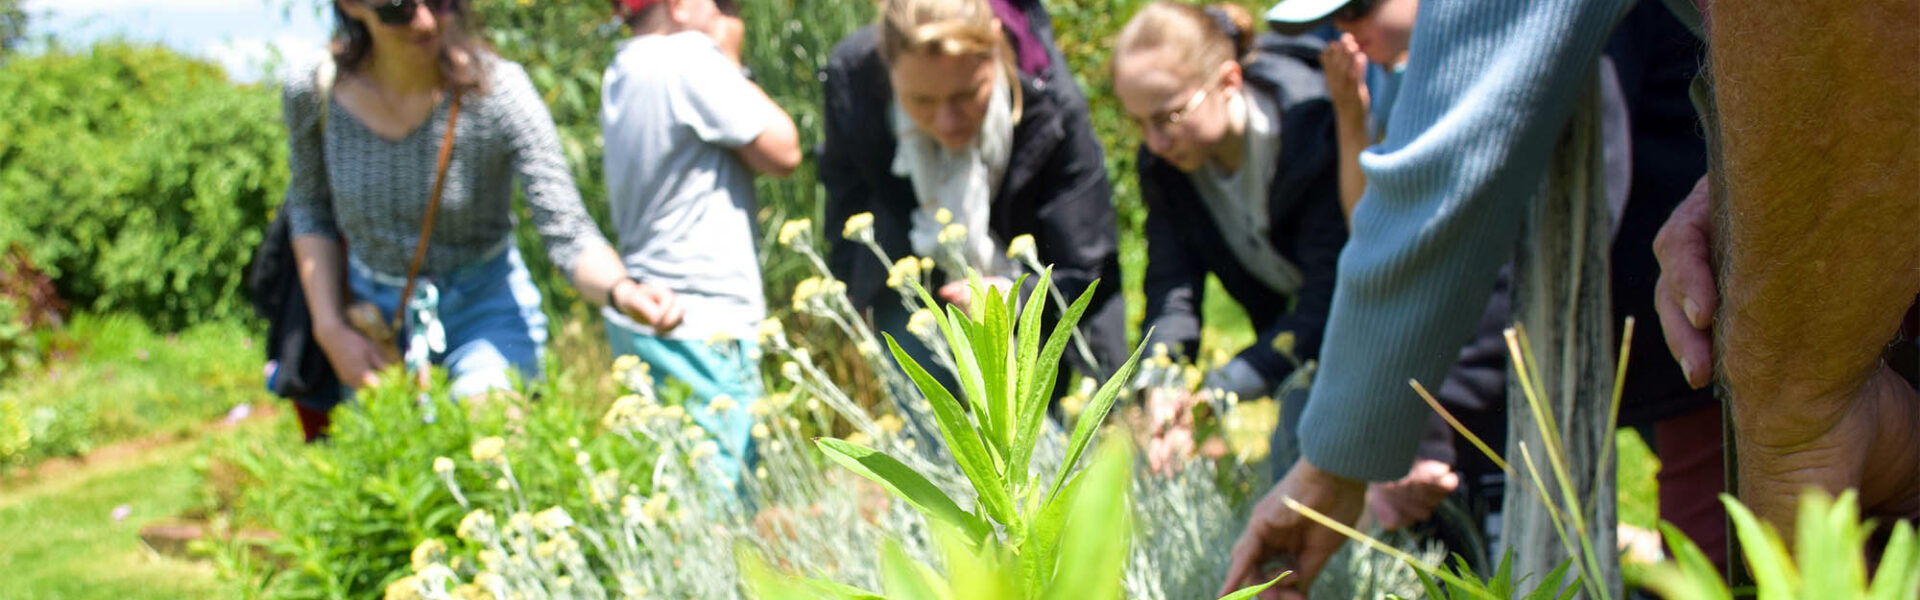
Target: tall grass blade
1455,581
1460,429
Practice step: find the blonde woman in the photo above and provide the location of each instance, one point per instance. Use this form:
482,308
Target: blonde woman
942,108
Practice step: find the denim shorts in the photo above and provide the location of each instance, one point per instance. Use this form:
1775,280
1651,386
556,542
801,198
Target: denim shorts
491,312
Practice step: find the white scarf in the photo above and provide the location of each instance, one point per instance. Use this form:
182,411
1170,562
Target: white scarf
962,181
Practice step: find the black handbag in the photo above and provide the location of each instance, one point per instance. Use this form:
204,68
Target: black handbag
273,287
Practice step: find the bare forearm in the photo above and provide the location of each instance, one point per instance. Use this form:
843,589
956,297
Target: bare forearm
320,261
1817,243
1351,127
596,271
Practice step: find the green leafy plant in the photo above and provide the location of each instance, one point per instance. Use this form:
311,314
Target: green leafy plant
1828,558
1026,538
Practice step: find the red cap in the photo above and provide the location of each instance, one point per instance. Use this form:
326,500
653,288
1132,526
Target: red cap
635,6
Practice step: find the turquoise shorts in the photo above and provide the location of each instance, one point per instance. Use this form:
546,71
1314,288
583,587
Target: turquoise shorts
709,370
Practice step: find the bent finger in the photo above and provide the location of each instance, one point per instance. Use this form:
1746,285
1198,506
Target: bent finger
1691,348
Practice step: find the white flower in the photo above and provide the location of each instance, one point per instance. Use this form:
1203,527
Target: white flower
582,459
1021,248
489,450
626,362
442,466
655,509
760,431
859,227
722,403
795,232
502,484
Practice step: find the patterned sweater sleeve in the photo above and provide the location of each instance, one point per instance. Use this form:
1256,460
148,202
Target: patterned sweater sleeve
309,201
534,144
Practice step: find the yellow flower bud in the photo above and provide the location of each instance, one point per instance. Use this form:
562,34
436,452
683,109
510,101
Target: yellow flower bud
760,431
923,323
1021,247
943,216
428,553
442,465
859,227
722,403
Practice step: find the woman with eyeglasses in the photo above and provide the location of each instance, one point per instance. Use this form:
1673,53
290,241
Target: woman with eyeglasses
1237,170
962,109
365,130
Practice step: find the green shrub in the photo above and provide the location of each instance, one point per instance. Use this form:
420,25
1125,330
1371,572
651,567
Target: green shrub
349,510
139,179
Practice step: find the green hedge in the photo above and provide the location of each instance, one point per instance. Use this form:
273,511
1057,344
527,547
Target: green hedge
139,179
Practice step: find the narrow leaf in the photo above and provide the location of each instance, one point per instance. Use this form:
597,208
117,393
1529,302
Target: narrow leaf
1251,591
1093,548
968,450
1773,571
1094,414
1042,374
904,482
907,579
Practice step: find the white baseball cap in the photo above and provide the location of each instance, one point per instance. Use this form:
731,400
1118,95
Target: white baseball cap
1294,17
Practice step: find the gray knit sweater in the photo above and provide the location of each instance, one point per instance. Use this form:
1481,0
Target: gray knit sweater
373,191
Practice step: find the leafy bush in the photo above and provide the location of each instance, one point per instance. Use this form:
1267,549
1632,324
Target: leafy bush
140,180
348,510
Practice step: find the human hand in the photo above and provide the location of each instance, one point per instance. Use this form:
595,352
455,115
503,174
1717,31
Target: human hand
654,305
356,360
1276,532
1685,297
728,32
1411,499
1345,68
959,293
1169,428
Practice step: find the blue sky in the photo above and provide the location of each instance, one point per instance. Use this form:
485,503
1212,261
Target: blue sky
242,35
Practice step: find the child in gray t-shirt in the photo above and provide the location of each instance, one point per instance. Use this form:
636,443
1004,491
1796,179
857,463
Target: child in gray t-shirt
685,133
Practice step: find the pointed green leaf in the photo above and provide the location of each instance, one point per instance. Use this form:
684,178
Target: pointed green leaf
764,583
1041,551
977,571
907,579
967,364
1689,575
969,452
1041,374
1099,529
1773,571
992,339
1249,592
904,482
1899,575
1094,414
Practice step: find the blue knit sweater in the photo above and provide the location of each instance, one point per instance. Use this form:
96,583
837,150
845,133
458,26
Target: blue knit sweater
1488,88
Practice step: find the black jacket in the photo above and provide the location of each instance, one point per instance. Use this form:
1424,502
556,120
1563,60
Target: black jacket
1184,244
1055,188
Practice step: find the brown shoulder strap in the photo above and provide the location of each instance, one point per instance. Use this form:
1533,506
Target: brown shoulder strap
433,207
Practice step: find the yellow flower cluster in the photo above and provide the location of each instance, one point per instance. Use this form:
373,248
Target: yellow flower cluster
442,466
428,553
476,526
404,588
489,450
953,233
771,331
904,270
890,423
815,288
923,323
795,233
722,403
552,519
859,227
943,216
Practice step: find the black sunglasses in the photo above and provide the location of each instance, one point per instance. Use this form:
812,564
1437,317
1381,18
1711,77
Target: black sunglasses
1353,11
400,12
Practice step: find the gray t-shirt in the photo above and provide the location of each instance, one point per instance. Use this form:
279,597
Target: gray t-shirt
672,110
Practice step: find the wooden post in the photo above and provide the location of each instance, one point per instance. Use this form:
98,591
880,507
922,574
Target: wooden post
1561,300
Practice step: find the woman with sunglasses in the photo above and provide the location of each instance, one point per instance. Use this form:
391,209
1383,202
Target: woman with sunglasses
1237,170
962,108
365,130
